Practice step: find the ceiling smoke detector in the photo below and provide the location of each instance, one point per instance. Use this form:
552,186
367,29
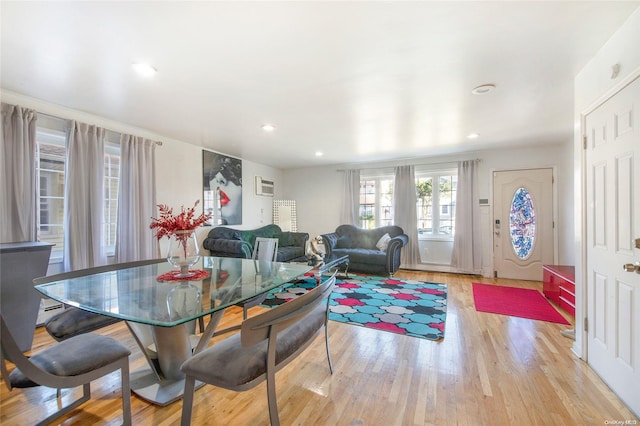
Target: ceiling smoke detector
484,89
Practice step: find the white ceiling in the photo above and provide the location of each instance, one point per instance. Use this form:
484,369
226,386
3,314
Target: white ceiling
359,81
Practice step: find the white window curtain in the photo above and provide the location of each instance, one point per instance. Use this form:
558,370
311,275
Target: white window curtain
467,251
136,200
349,214
18,191
84,194
405,212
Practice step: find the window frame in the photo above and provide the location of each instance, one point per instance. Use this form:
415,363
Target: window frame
112,155
437,205
380,216
52,136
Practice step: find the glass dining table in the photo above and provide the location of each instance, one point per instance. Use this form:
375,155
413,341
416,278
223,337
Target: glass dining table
162,315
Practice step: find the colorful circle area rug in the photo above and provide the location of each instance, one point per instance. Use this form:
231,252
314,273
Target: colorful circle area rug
409,307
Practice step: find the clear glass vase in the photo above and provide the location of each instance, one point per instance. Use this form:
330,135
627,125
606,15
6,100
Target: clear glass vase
183,301
184,251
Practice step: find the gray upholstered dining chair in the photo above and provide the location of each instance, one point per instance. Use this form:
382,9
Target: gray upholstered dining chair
74,321
264,249
266,343
76,361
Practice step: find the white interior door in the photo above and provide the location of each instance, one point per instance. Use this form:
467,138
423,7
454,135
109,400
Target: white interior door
613,224
522,223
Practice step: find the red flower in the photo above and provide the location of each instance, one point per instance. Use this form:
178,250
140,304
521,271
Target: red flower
168,223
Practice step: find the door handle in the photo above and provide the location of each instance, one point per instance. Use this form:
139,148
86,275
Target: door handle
632,267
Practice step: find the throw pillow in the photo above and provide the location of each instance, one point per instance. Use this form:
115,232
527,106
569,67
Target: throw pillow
383,242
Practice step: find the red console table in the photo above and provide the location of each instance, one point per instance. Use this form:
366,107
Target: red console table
559,286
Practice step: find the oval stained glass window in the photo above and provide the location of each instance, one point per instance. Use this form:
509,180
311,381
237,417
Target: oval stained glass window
522,223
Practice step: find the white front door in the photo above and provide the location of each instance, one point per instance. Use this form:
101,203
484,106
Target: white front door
522,223
613,225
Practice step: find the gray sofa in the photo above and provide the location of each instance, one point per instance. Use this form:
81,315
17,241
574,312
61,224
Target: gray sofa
360,245
227,242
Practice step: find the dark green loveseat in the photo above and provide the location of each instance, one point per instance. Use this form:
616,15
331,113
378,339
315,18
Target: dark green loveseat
227,242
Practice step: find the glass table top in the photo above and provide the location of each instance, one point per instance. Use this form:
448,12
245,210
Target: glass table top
135,294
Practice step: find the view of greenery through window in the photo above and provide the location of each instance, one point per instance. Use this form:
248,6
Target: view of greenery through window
376,202
436,209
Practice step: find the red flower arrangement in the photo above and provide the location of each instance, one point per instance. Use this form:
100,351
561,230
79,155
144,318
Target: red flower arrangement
168,223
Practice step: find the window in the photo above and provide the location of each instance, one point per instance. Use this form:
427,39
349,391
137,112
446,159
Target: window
111,184
50,159
50,167
522,223
436,209
376,202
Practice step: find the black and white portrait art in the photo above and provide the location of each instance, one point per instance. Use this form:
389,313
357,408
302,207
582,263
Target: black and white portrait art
222,181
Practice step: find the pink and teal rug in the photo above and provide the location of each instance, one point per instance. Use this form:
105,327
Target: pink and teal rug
412,308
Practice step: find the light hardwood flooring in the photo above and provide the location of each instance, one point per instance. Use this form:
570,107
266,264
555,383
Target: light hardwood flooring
488,370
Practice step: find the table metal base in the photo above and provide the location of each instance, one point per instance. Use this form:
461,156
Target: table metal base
146,385
162,382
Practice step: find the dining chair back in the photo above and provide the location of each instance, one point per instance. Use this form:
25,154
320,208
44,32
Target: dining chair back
265,249
266,343
76,361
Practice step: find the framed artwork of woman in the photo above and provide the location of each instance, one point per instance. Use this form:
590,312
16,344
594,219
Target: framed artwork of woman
222,182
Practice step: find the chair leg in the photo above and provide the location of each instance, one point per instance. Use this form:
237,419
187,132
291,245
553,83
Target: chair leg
271,397
86,395
187,400
126,392
326,340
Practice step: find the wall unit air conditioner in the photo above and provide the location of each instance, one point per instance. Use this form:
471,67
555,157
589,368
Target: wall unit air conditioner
264,187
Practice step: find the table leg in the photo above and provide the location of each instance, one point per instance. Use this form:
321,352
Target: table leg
163,383
174,347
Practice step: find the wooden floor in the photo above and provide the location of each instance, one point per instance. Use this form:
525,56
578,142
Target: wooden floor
488,370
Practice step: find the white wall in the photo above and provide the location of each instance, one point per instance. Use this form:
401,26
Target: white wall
594,84
318,190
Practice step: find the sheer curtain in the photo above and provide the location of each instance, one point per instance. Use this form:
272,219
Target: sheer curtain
136,200
405,213
18,208
83,198
467,251
350,201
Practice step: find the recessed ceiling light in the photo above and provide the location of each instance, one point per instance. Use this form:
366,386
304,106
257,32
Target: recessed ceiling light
144,70
473,136
485,88
268,127
319,154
